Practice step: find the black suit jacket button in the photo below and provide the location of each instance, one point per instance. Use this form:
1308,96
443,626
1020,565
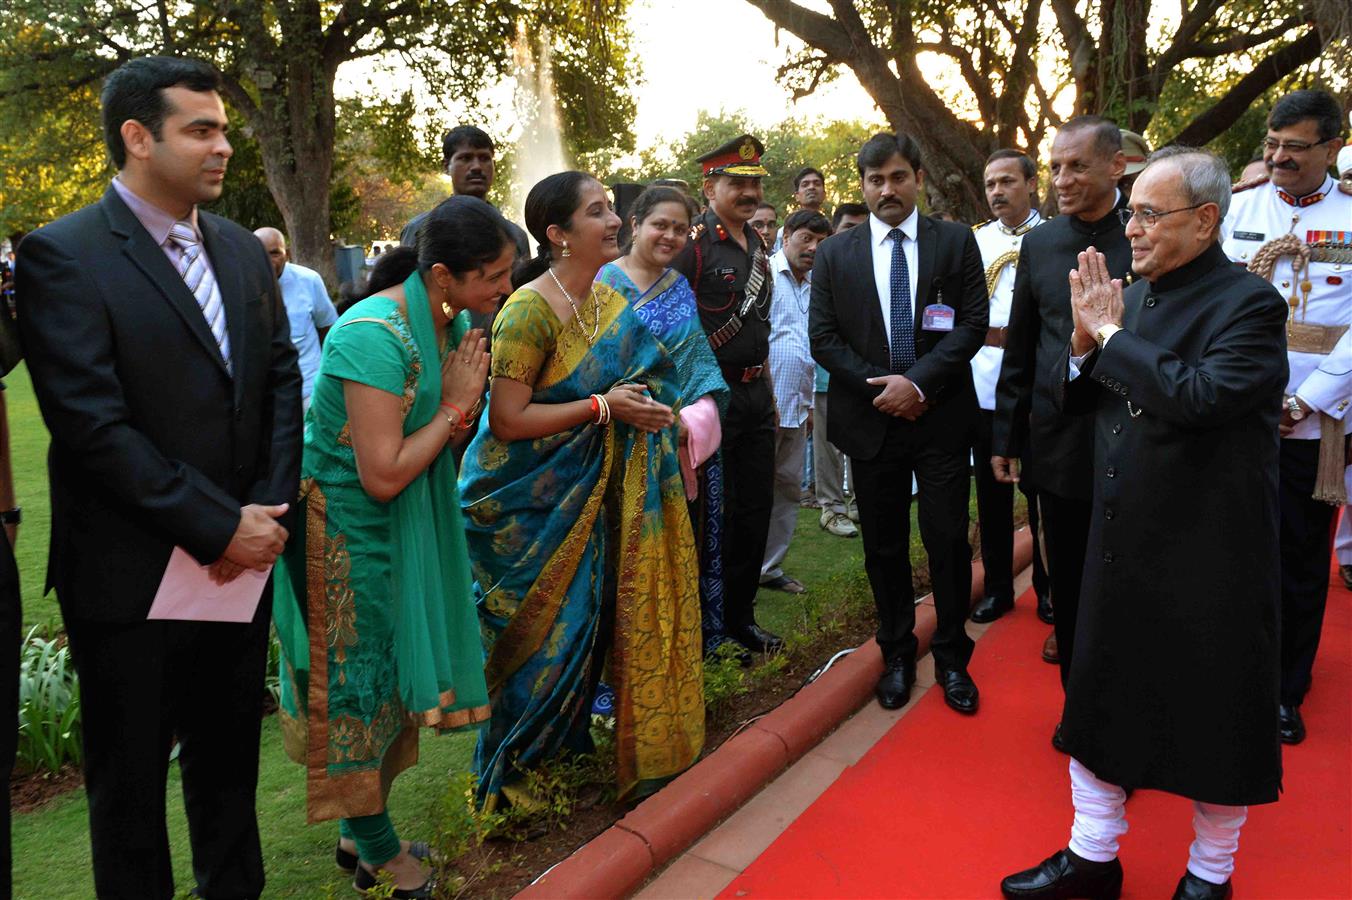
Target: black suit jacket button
239,414
1108,513
1108,557
1111,473
1150,301
1117,429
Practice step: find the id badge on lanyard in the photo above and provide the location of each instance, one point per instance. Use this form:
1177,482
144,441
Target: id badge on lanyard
938,316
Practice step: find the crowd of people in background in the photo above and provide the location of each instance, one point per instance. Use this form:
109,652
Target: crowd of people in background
508,489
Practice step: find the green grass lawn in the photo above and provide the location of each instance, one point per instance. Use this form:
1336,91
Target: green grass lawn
51,845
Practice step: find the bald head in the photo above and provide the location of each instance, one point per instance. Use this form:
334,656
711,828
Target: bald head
274,242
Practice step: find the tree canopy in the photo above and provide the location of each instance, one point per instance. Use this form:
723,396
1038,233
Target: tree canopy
1025,65
279,60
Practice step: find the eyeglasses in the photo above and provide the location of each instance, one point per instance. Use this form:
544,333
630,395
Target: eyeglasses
1271,145
1148,217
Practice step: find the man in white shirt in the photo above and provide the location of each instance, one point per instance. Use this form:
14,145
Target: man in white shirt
308,307
1011,186
1293,230
792,375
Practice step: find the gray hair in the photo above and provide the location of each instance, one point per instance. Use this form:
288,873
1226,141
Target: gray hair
1206,177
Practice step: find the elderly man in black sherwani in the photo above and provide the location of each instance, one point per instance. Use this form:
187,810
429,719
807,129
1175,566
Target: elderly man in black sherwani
1174,685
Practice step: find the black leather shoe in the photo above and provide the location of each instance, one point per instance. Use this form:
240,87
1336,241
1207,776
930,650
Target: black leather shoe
991,608
1044,609
1056,739
1190,887
894,688
960,691
1290,725
1064,876
757,639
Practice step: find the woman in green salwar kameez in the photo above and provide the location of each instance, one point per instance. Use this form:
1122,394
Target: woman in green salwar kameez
373,605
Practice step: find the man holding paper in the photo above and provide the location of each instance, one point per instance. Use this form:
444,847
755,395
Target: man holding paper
162,361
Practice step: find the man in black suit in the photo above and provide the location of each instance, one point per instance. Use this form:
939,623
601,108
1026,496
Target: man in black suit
899,307
162,362
1056,447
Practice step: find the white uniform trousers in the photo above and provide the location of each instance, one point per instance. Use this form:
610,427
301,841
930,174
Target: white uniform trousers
1101,820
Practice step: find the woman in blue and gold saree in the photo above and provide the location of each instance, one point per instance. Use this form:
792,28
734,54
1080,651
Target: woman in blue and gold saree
578,534
665,303
373,601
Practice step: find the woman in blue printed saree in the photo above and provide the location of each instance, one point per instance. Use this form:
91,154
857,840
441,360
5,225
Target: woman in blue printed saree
664,302
374,603
578,534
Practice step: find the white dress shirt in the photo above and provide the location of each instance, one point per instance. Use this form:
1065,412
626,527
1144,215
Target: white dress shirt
882,262
1256,216
994,240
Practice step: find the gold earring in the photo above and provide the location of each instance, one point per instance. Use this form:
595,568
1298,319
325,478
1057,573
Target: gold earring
446,304
566,252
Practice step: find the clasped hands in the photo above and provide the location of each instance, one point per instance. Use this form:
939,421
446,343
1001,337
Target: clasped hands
899,397
1095,300
258,540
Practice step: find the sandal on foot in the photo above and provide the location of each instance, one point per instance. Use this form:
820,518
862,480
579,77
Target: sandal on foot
348,861
365,881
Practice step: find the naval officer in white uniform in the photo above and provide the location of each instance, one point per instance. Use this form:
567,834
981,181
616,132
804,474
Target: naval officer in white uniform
1295,229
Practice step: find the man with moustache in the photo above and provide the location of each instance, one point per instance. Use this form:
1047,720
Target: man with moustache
1174,684
162,362
467,156
1011,188
898,308
792,374
1033,442
727,264
1294,230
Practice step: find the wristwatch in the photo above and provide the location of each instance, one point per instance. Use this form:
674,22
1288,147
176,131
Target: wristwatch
11,516
1294,408
1104,332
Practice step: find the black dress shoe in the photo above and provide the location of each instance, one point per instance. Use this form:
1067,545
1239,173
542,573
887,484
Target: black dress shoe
1064,876
757,639
1190,887
960,691
1056,739
1044,609
1290,725
894,688
991,608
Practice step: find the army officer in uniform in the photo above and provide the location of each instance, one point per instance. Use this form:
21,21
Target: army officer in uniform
727,263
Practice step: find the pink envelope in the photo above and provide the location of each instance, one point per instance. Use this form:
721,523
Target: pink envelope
187,593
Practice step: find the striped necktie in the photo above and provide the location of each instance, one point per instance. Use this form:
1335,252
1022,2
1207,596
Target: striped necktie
903,324
197,275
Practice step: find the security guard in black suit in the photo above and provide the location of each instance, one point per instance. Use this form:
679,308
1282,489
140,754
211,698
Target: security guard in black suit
727,264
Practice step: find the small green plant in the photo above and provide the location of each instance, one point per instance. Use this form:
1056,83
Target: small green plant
272,680
49,705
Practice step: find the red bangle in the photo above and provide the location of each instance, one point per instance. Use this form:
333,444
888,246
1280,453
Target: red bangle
595,408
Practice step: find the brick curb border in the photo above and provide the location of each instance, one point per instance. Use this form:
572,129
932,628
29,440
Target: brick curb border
619,860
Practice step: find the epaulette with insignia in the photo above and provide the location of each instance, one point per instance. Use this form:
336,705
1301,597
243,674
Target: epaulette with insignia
1246,185
981,225
696,231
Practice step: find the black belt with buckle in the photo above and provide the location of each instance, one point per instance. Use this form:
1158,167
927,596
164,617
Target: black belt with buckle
750,373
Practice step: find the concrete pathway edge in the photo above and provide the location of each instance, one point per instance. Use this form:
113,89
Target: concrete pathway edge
619,860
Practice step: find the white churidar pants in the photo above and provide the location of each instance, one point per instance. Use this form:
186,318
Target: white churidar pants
1101,820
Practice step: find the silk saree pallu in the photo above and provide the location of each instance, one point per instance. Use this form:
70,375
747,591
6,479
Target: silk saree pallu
669,311
374,602
583,554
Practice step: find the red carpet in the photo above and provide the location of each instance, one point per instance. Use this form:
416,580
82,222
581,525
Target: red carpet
945,806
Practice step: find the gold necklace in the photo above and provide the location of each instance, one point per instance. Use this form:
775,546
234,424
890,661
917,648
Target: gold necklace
577,315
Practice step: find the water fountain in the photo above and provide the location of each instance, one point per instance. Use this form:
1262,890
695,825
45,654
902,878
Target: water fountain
539,144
